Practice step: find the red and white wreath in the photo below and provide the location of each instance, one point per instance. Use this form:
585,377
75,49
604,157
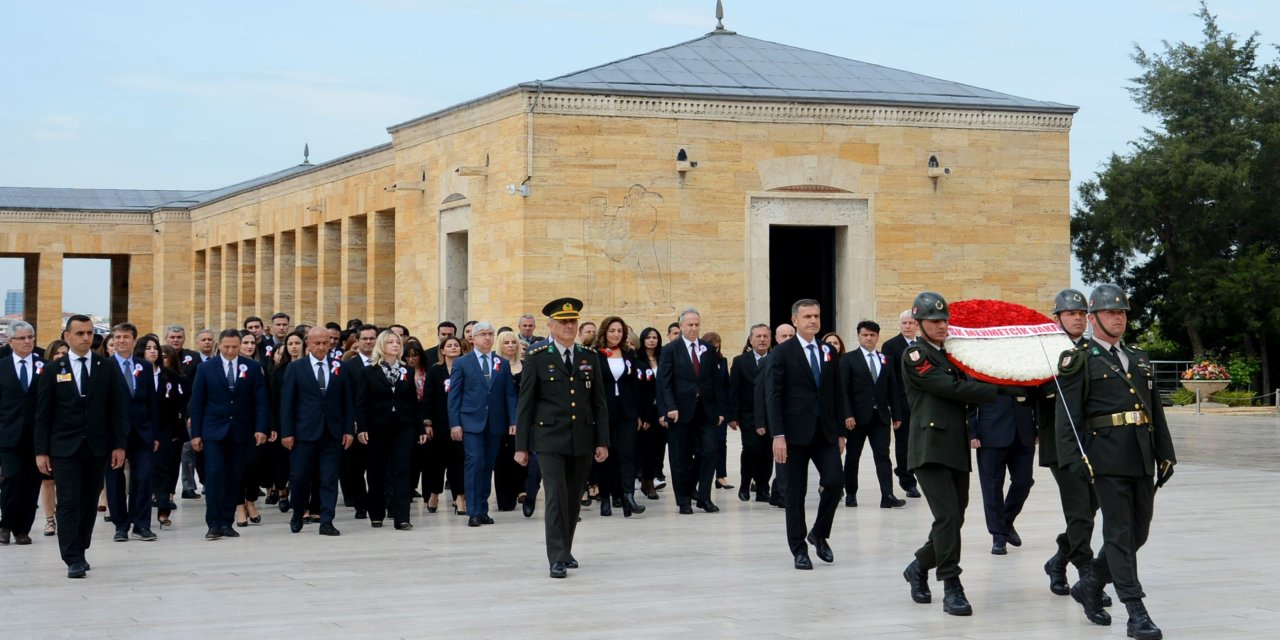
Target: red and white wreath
1004,343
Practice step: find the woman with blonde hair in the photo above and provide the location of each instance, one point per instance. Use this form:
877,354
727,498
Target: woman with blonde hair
508,476
389,423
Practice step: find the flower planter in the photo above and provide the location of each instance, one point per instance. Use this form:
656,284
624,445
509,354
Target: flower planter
1205,388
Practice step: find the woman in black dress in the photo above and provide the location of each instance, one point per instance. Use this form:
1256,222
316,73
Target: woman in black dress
277,455
620,376
722,430
171,422
415,361
508,476
444,455
387,413
256,466
651,442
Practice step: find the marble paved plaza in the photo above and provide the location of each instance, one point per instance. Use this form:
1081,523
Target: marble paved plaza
1210,570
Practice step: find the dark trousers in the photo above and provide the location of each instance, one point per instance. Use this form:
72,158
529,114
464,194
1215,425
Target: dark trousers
756,459
255,474
77,480
481,453
355,463
565,478
322,457
878,434
534,479
224,465
1079,507
692,445
901,440
779,487
130,503
508,477
444,461
1127,505
653,450
947,491
164,478
618,471
1000,507
721,439
19,488
826,459
277,465
390,487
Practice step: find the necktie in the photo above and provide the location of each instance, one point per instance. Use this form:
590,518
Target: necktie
693,353
484,367
127,367
22,374
231,375
320,376
1116,352
568,359
84,376
813,364
871,363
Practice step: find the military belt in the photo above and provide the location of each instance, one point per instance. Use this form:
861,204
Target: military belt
1124,418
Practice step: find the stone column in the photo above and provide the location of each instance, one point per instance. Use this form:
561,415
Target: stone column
329,272
48,295
355,276
382,268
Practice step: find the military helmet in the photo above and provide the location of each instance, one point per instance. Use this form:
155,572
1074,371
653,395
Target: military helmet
930,305
1069,300
1108,297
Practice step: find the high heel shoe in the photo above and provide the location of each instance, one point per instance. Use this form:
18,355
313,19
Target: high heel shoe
50,527
459,510
431,508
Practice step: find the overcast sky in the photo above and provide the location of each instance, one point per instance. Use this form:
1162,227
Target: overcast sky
173,95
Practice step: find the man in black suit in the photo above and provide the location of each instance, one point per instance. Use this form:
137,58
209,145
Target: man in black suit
19,479
778,492
908,330
805,409
316,425
1004,433
130,503
871,406
80,425
192,461
688,397
228,418
740,410
444,330
525,325
279,332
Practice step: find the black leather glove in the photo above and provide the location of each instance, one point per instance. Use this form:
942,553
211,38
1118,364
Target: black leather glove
1080,470
1011,391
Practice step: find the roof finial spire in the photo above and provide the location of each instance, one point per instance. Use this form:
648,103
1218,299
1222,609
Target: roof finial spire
719,15
306,153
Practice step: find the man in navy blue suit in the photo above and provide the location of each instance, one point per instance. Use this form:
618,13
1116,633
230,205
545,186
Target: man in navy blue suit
1004,433
482,409
316,424
133,506
228,418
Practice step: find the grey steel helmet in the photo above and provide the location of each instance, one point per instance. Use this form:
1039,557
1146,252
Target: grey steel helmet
1108,297
1069,300
929,305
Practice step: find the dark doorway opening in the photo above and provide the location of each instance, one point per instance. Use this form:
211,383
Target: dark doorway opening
802,264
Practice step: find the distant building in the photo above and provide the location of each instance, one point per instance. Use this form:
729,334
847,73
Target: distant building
13,301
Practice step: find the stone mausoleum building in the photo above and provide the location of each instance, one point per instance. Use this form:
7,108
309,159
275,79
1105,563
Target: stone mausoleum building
726,173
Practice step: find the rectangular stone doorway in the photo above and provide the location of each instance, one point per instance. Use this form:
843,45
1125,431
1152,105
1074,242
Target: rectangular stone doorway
802,264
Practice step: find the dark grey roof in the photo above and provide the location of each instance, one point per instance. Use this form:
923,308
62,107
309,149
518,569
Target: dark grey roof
87,199
727,65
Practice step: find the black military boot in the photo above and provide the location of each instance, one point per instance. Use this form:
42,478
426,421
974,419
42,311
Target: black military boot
918,578
953,600
1084,570
1088,592
1140,625
1056,569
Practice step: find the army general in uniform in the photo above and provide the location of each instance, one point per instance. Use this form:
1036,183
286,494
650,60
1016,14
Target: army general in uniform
1123,443
939,394
561,416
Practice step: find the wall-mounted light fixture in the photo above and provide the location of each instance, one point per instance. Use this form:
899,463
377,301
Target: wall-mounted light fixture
683,163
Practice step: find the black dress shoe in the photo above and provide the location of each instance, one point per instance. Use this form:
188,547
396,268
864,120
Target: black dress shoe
1013,537
404,526
376,524
558,570
778,501
762,496
912,492
821,547
850,501
77,570
605,509
1088,592
214,533
485,519
708,506
190,495
953,600
617,502
361,514
629,505
284,505
474,521
685,509
228,532
998,548
528,506
1056,569
651,495
121,536
918,578
141,534
23,539
803,562
889,502
256,519
571,564
723,485
295,526
272,498
744,493
329,530
1140,626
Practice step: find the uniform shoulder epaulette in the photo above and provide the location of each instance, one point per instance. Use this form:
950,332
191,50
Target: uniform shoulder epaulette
917,359
537,350
1072,359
